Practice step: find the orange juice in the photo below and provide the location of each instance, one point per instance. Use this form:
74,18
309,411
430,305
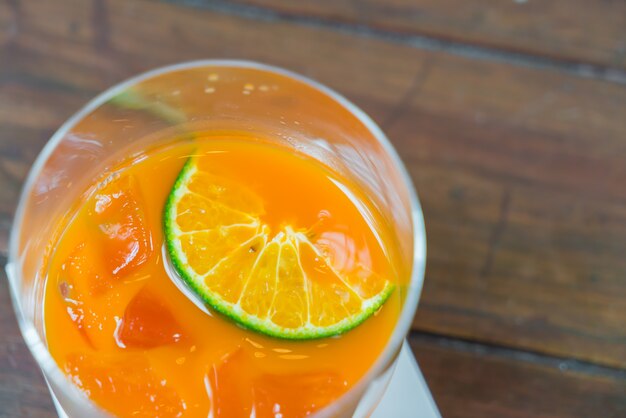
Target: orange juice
126,331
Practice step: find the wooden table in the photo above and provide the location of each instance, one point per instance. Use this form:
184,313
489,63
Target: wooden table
510,115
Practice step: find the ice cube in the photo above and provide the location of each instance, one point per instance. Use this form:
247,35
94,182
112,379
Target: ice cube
77,281
84,272
238,387
229,386
120,215
296,394
148,323
124,385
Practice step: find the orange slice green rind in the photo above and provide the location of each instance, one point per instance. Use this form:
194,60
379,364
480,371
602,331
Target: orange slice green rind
280,285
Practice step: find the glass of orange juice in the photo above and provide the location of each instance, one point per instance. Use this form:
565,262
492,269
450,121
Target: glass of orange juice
217,238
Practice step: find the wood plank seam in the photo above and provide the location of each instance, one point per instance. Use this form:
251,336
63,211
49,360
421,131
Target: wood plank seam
424,42
525,356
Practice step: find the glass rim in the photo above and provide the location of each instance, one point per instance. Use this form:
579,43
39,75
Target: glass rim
37,346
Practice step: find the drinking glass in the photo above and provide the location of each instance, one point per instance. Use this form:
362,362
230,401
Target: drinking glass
211,96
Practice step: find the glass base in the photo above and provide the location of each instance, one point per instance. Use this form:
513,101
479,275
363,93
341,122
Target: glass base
407,395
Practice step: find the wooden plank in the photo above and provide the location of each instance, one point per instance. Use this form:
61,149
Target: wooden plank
481,382
520,171
577,31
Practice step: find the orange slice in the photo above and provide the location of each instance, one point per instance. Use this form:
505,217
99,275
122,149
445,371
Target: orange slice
282,285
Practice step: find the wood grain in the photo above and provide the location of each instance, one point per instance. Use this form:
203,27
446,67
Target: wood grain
480,383
578,31
520,171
